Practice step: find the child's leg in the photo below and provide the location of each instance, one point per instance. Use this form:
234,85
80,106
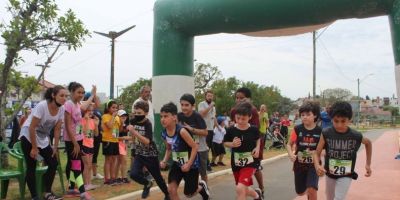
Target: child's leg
107,167
312,193
342,187
173,190
136,172
330,188
152,164
312,183
86,170
221,157
113,167
123,165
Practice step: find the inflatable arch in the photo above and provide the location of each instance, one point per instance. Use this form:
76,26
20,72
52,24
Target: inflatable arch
177,22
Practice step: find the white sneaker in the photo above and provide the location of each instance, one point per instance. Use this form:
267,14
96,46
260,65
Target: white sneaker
90,187
98,176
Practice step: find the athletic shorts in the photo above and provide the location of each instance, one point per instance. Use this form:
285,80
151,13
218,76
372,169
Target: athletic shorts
304,179
110,148
87,150
217,149
244,176
191,178
203,157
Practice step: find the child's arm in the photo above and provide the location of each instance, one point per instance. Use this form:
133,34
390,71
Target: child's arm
196,131
290,150
236,142
256,150
167,154
140,137
189,140
96,126
368,149
317,157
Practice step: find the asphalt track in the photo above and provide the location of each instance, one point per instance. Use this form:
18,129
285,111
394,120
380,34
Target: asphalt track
278,176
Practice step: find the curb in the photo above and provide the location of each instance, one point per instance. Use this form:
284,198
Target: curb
210,176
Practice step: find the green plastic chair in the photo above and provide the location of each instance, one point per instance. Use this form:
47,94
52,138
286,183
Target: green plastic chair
7,174
40,170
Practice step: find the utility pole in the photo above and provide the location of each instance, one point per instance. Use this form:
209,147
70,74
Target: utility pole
314,63
113,35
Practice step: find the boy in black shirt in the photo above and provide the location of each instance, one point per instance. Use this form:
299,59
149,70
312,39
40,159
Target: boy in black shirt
303,141
245,143
341,144
146,151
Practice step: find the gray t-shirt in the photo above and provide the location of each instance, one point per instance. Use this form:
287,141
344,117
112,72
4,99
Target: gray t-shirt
210,117
47,122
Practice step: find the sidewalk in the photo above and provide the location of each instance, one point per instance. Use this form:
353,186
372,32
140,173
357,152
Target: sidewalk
384,183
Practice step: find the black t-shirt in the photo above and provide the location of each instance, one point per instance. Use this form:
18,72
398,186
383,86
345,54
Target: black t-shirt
241,156
195,120
306,143
341,152
145,129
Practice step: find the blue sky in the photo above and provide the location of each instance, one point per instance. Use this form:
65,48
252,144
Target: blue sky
347,50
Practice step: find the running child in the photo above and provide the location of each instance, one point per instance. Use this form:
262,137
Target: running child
303,142
217,147
146,151
244,140
90,129
183,148
195,124
341,144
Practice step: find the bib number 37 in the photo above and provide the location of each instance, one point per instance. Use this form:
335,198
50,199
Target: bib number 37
243,159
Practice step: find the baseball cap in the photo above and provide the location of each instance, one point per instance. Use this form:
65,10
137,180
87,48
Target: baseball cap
121,112
220,119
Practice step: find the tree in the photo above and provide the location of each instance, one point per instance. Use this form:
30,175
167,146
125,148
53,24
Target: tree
132,92
224,90
336,94
204,75
35,25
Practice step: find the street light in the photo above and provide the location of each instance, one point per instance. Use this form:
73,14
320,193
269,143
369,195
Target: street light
359,99
113,35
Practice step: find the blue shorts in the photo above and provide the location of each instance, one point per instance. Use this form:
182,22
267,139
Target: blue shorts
304,179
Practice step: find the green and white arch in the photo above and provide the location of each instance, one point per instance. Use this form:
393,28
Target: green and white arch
177,22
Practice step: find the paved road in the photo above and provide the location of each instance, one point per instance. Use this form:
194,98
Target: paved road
278,176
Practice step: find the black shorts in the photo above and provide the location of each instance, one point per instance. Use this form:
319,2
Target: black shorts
217,149
191,178
304,179
110,148
87,150
133,153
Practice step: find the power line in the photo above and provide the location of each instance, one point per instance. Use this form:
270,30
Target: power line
334,62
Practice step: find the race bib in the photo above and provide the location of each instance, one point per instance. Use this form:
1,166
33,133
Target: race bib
78,129
115,132
180,157
305,157
243,158
89,134
340,167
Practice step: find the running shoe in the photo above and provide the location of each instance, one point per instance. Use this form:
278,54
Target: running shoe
86,196
260,195
204,192
125,180
51,196
98,176
72,193
213,164
221,164
146,190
